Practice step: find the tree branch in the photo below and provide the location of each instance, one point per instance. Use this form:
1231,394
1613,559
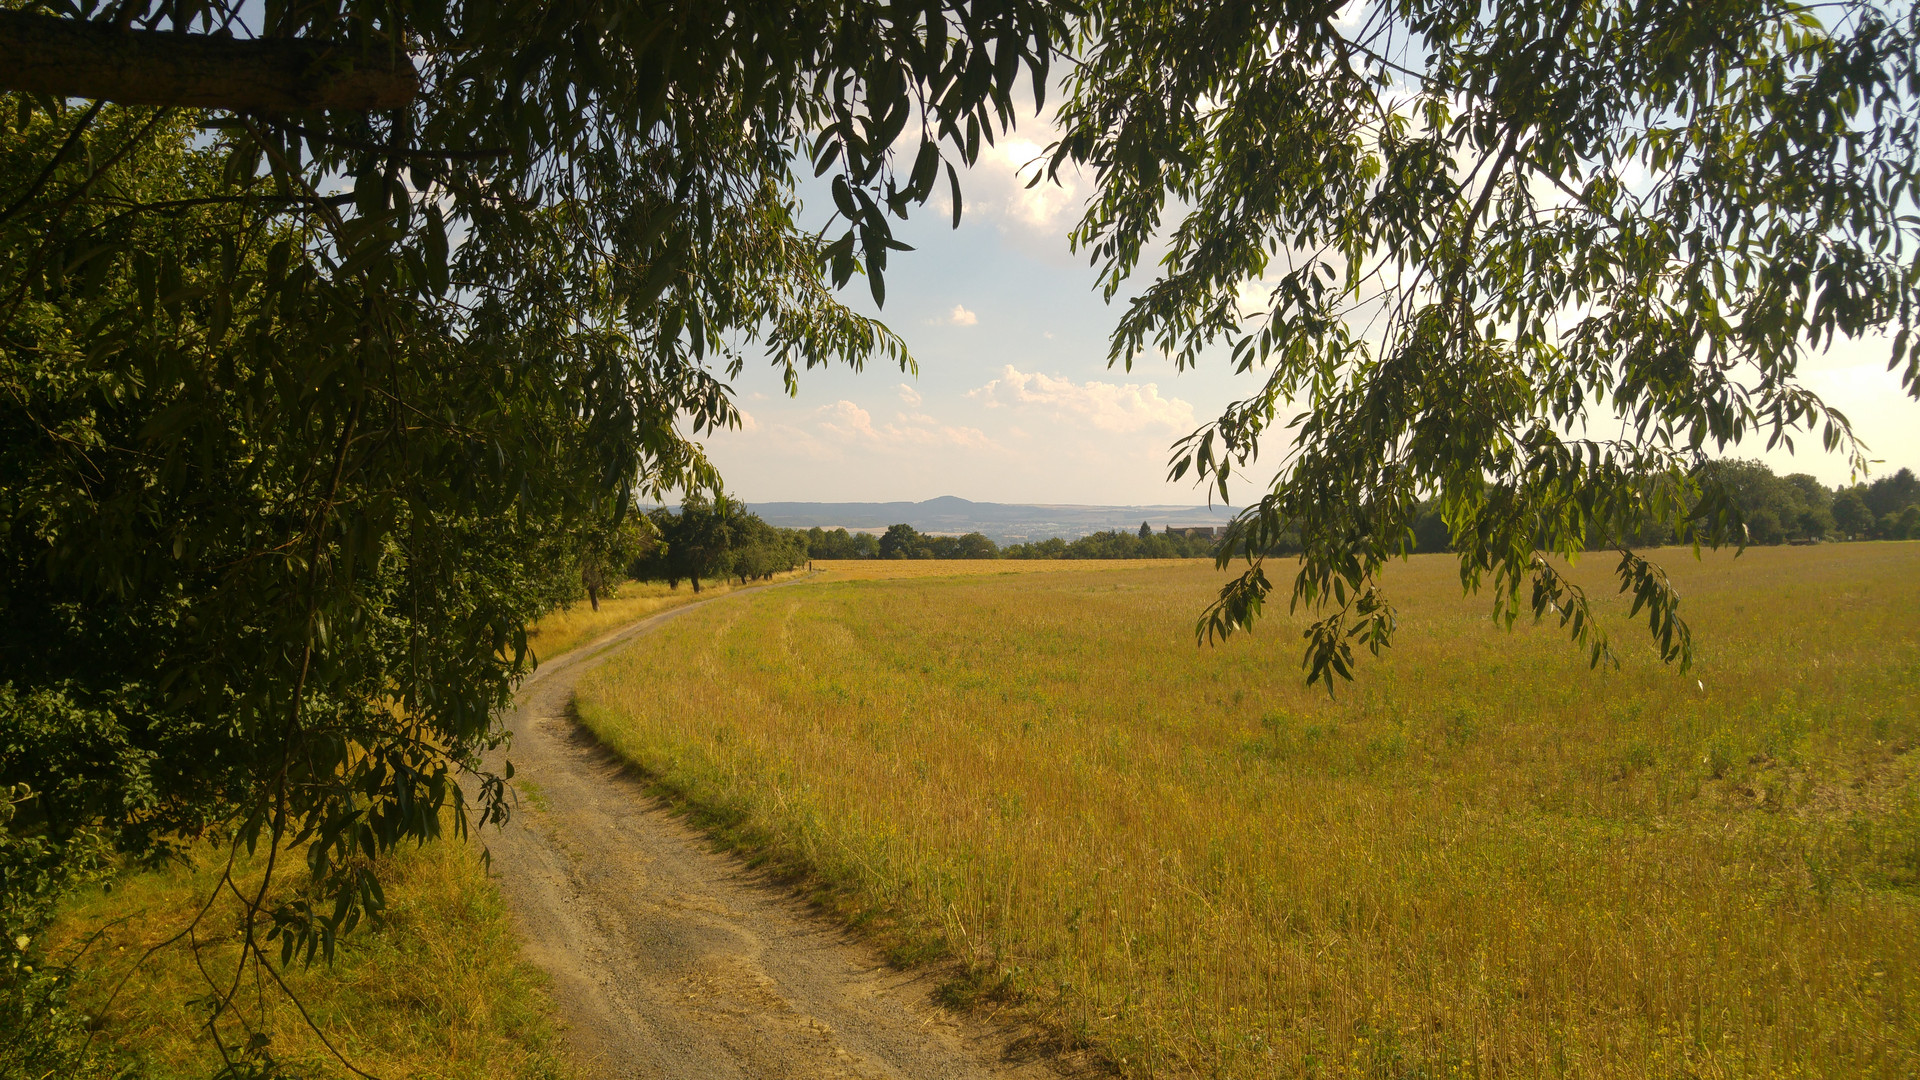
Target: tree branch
70,58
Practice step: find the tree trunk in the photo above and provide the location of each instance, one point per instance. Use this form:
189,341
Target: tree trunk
70,58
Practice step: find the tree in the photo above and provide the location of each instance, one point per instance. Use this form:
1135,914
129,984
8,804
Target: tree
976,546
760,551
1850,514
1146,531
329,348
839,544
1891,494
903,542
1430,532
699,542
1527,260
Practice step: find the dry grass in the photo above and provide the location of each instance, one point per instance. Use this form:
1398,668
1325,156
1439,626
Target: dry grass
895,569
1481,860
436,990
571,627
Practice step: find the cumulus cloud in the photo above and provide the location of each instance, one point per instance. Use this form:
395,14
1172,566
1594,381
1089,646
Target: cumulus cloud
848,423
1033,218
1114,407
846,420
960,316
909,395
1043,207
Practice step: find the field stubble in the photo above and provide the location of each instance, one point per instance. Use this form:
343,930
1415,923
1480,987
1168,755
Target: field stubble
1482,859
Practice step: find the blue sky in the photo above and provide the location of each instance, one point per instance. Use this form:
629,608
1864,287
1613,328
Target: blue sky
1014,401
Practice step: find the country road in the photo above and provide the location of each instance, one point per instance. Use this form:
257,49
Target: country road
670,960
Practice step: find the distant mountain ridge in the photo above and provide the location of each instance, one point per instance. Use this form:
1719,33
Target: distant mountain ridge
1003,522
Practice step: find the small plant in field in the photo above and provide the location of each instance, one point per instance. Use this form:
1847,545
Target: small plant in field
1638,755
1720,756
1462,727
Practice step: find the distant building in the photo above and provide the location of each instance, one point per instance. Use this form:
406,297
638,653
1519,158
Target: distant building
1196,532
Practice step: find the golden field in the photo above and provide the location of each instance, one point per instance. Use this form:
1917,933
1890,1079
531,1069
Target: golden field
1482,859
565,629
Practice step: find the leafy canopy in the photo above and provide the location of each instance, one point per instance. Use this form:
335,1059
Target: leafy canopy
1530,259
304,416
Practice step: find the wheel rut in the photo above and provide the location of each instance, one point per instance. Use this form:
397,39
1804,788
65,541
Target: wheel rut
669,959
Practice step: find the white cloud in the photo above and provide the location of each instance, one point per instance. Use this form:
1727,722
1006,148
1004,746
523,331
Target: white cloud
960,316
909,395
747,422
1010,167
1254,297
847,422
1115,407
1034,219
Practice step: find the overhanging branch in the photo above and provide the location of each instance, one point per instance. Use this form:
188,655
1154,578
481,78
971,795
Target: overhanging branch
69,58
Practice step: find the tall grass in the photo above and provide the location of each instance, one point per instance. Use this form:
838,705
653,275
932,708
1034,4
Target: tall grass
1482,859
435,989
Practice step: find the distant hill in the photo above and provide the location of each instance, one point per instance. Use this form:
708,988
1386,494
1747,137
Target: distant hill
1003,522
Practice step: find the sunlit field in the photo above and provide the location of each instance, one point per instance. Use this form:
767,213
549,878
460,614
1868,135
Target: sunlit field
566,629
1483,859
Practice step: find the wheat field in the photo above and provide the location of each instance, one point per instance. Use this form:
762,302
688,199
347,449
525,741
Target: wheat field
1482,859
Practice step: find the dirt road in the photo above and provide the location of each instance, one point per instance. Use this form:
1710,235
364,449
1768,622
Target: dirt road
670,960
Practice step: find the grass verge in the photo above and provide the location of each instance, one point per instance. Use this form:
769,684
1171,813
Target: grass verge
435,989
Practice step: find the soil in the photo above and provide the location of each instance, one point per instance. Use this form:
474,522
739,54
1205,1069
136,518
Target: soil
670,959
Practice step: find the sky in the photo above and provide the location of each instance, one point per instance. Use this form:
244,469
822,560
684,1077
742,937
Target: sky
1014,401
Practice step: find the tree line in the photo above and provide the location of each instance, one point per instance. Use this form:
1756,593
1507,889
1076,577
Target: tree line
1796,508
906,542
713,539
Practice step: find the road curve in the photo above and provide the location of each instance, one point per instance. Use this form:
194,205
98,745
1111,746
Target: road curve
670,960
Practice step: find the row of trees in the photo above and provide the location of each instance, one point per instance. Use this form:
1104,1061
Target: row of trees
1775,509
906,542
1116,544
1796,508
710,539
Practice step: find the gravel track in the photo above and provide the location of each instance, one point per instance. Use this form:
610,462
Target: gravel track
671,960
